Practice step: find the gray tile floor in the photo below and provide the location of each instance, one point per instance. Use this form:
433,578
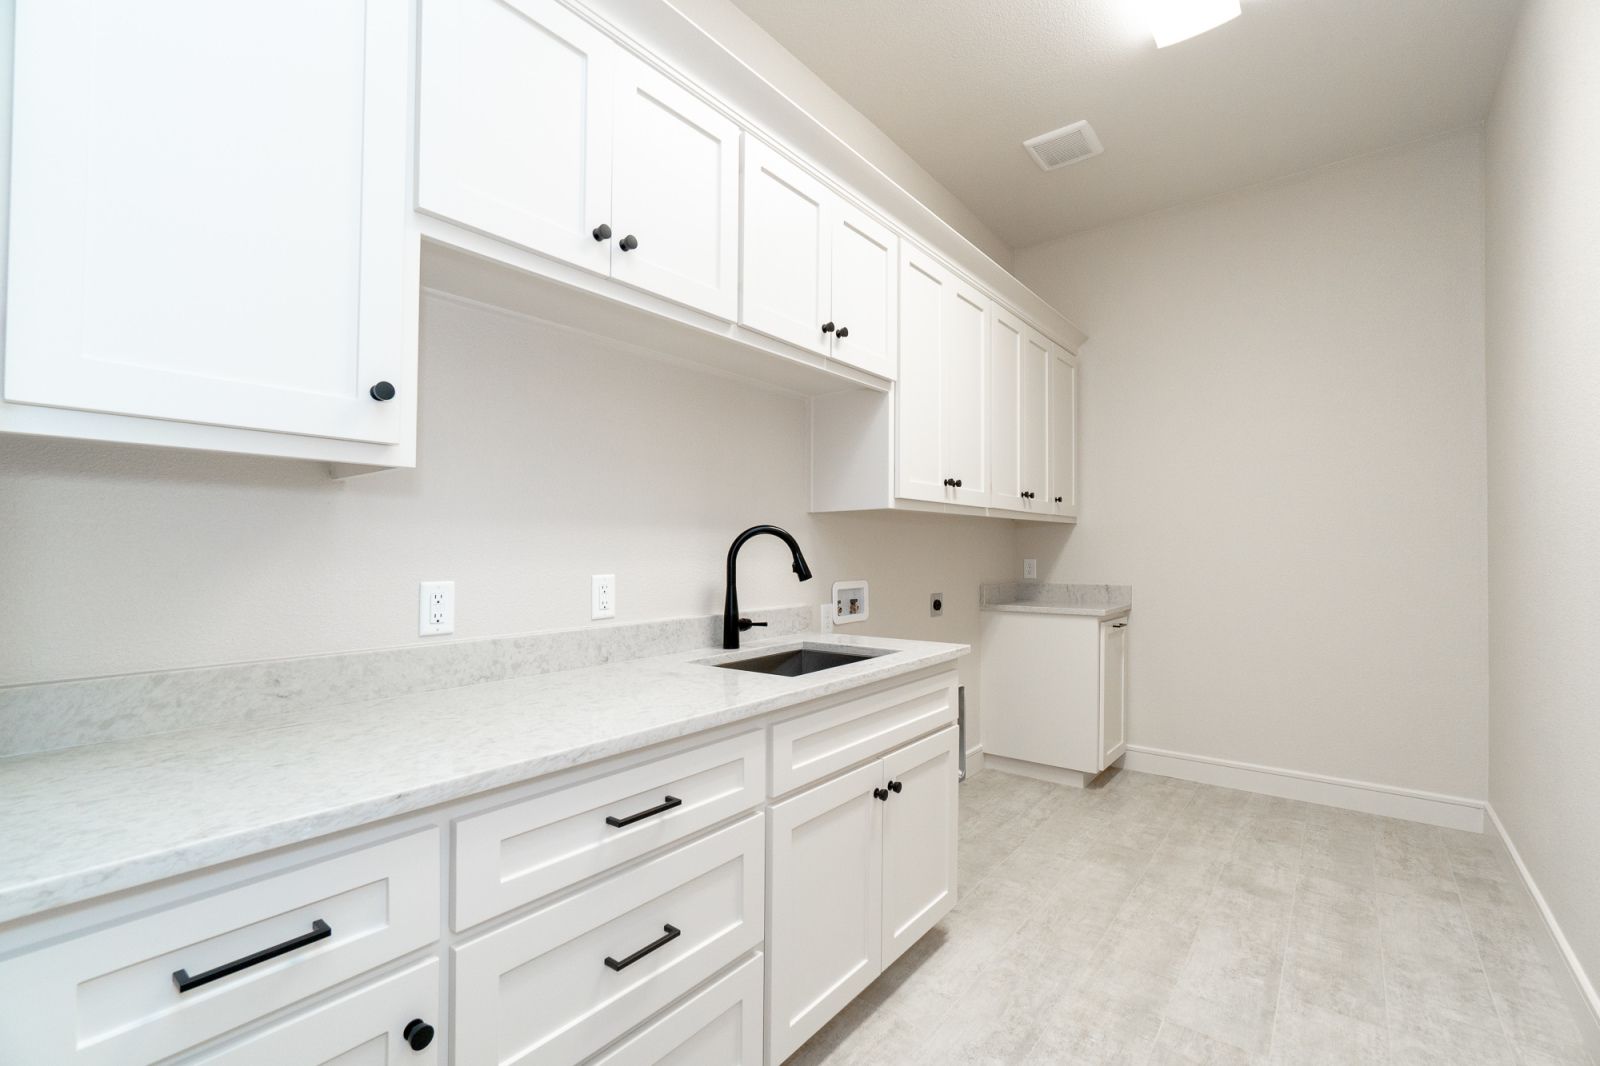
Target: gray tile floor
1154,921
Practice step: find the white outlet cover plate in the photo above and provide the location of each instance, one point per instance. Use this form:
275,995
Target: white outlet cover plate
603,596
436,608
849,602
1030,569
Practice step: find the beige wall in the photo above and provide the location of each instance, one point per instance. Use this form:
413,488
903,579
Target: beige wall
1544,458
1283,453
143,559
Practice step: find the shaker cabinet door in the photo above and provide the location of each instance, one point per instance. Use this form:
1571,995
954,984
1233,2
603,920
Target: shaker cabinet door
516,125
1064,431
674,193
208,217
919,840
866,260
824,944
785,235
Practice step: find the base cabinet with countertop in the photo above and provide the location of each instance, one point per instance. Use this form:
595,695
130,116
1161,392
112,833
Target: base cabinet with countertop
693,901
1054,673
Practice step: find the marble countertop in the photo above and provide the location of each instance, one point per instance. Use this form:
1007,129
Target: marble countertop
1040,597
82,822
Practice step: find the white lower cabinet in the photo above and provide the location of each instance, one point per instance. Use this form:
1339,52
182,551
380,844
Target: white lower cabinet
387,1023
919,840
718,1026
636,914
557,985
168,980
860,867
1054,690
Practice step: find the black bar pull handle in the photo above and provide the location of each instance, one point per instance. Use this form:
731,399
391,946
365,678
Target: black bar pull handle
320,930
672,933
667,805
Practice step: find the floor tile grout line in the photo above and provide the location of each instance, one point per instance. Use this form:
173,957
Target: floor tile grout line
1383,954
1283,961
1477,953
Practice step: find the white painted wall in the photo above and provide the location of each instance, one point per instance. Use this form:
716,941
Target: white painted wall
143,559
1544,458
1283,453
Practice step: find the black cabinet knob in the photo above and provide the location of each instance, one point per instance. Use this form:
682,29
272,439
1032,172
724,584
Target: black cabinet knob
1058,499
896,786
958,483
381,391
418,1033
827,327
602,232
880,793
628,243
843,333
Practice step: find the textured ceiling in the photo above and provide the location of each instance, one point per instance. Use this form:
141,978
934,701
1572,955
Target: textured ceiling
1289,85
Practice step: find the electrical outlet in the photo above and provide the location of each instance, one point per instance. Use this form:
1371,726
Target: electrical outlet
826,625
936,604
437,612
1030,569
603,596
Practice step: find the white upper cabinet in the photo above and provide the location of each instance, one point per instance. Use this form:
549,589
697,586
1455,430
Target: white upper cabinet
942,446
208,219
866,261
1063,431
964,378
816,272
786,232
516,125
540,131
1019,415
924,298
674,193
1005,410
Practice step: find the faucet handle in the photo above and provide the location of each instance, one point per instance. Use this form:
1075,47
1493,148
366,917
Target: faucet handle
745,623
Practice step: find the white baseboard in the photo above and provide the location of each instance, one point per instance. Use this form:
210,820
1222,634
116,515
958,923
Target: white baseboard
1414,805
975,760
1580,990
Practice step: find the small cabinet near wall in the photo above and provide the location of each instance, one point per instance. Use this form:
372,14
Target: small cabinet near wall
861,866
816,271
538,130
209,227
942,452
1055,693
1019,362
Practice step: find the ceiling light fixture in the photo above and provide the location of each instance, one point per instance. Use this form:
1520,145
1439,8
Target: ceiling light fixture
1172,21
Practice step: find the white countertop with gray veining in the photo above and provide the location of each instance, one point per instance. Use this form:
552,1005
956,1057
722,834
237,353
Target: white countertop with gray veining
82,822
1041,597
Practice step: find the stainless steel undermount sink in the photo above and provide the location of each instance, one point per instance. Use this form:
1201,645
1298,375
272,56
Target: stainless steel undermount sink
796,661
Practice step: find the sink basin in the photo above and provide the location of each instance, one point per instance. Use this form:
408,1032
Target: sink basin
797,661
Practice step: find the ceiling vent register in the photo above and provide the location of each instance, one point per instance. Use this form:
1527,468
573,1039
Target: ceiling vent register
1065,146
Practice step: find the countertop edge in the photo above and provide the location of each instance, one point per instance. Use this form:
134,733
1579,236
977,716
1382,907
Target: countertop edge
83,885
1102,613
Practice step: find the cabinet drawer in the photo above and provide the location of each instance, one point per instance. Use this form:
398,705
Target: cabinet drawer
112,995
718,1026
812,746
561,982
527,850
365,1028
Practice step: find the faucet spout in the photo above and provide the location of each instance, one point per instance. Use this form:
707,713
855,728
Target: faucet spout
731,622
